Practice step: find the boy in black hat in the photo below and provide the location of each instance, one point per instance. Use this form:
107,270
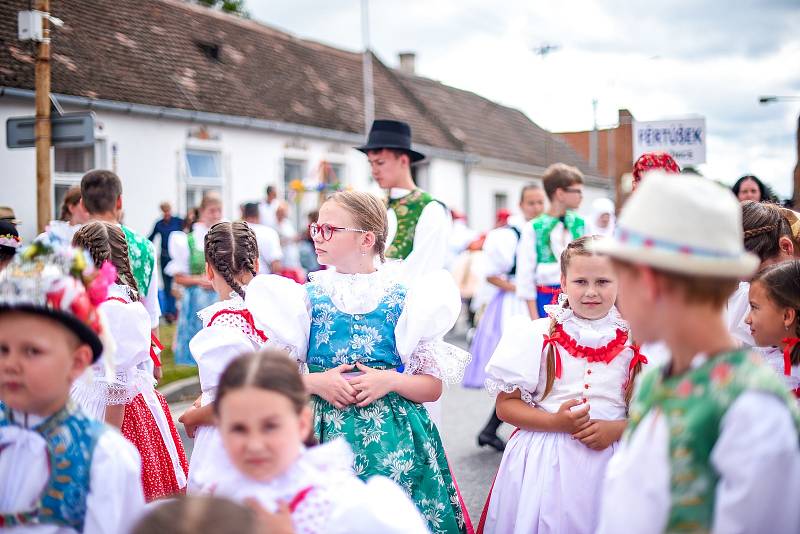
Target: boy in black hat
419,225
59,469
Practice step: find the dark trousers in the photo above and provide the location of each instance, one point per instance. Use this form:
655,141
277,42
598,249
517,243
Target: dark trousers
167,299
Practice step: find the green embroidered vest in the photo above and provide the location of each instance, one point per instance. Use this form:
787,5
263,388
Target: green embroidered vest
408,210
544,225
693,405
142,256
197,257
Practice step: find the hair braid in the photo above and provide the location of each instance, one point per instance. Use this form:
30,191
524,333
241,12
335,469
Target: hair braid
231,250
106,242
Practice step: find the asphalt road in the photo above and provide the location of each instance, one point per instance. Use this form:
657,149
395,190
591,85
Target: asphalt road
465,411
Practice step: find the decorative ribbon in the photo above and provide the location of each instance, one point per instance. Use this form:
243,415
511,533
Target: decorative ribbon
789,344
604,354
297,499
246,315
155,350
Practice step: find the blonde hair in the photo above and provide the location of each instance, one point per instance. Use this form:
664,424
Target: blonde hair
368,213
211,198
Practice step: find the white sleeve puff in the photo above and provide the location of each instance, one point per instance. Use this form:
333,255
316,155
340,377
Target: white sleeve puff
178,247
431,309
526,264
500,249
214,347
517,360
281,308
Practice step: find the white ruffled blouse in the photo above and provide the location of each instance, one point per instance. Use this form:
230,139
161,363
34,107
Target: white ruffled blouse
282,309
520,363
325,495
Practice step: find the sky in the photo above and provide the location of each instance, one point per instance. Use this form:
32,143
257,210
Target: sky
661,60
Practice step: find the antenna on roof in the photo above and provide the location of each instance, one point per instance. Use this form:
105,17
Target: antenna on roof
545,49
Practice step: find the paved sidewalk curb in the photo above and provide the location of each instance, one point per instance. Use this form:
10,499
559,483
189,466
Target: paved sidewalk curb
181,390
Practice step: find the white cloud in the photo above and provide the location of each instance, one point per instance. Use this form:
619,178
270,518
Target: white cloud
659,60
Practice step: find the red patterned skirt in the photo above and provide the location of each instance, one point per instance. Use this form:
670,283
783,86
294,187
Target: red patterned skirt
140,428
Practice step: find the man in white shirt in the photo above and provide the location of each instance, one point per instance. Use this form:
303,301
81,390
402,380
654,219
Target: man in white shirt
266,208
419,225
270,253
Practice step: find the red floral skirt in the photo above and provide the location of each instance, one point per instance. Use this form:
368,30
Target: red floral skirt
140,428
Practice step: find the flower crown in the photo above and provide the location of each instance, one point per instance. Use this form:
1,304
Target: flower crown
62,281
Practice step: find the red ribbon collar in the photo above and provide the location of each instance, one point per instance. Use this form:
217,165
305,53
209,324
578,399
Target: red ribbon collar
246,315
605,354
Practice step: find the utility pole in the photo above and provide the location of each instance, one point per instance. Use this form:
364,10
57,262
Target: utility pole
43,132
369,97
796,174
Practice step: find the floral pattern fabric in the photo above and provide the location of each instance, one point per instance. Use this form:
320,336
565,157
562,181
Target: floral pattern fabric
393,436
408,210
141,254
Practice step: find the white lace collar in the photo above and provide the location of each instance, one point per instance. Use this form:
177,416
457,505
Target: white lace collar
119,291
563,315
233,302
355,293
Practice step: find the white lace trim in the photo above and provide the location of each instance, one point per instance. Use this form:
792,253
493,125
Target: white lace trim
562,315
94,387
439,359
354,293
493,387
234,302
232,320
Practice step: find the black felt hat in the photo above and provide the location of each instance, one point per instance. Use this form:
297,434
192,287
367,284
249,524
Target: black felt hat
391,134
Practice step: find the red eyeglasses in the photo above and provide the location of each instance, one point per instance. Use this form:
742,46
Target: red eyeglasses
326,230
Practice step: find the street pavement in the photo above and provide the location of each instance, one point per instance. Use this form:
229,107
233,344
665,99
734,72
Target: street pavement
465,411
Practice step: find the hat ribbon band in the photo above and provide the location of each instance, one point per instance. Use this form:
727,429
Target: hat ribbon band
628,237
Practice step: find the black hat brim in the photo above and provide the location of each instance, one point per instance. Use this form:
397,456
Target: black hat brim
413,154
84,333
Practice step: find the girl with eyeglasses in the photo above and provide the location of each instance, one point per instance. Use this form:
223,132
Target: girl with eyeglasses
374,353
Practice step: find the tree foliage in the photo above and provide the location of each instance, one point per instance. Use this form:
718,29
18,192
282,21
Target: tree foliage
228,6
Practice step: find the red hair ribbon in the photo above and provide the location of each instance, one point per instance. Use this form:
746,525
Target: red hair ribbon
789,344
553,340
155,349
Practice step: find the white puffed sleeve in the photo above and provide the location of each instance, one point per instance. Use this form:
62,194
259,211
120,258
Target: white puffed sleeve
516,362
214,347
431,309
281,308
178,247
500,249
115,501
526,264
129,324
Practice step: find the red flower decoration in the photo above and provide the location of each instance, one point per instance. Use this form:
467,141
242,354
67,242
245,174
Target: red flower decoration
652,161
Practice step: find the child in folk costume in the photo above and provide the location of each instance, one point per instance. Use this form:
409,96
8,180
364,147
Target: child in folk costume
374,353
231,259
712,441
60,470
774,321
768,235
500,250
127,398
564,381
312,490
188,269
544,239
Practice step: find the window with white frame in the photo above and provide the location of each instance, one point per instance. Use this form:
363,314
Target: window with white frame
203,175
69,166
293,169
500,201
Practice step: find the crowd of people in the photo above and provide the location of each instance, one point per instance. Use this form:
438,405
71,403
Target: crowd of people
650,363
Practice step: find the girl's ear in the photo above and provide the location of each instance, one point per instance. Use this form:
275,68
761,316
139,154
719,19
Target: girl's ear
209,271
563,284
305,419
789,318
786,246
368,239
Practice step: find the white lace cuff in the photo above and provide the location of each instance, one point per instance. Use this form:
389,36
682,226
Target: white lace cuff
493,387
439,359
122,390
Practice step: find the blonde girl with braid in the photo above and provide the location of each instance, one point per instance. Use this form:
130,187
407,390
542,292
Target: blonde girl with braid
125,395
565,382
231,262
768,235
373,351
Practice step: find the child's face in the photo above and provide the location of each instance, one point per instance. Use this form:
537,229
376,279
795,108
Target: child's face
590,285
767,321
571,196
532,204
39,360
343,248
261,431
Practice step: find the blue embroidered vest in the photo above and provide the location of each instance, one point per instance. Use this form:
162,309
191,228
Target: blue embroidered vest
338,338
71,438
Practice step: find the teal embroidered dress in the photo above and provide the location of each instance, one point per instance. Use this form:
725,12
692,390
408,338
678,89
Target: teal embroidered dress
375,320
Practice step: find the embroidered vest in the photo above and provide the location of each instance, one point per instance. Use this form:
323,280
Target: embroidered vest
142,257
544,225
408,210
197,257
71,438
337,337
693,406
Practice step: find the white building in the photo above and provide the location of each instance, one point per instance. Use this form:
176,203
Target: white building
187,99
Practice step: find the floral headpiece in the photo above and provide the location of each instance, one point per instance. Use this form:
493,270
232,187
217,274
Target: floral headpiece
652,161
10,240
63,284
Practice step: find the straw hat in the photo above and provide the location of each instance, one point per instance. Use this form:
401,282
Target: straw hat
683,224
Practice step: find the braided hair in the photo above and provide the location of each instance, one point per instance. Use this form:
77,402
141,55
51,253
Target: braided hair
763,225
231,249
782,285
106,242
